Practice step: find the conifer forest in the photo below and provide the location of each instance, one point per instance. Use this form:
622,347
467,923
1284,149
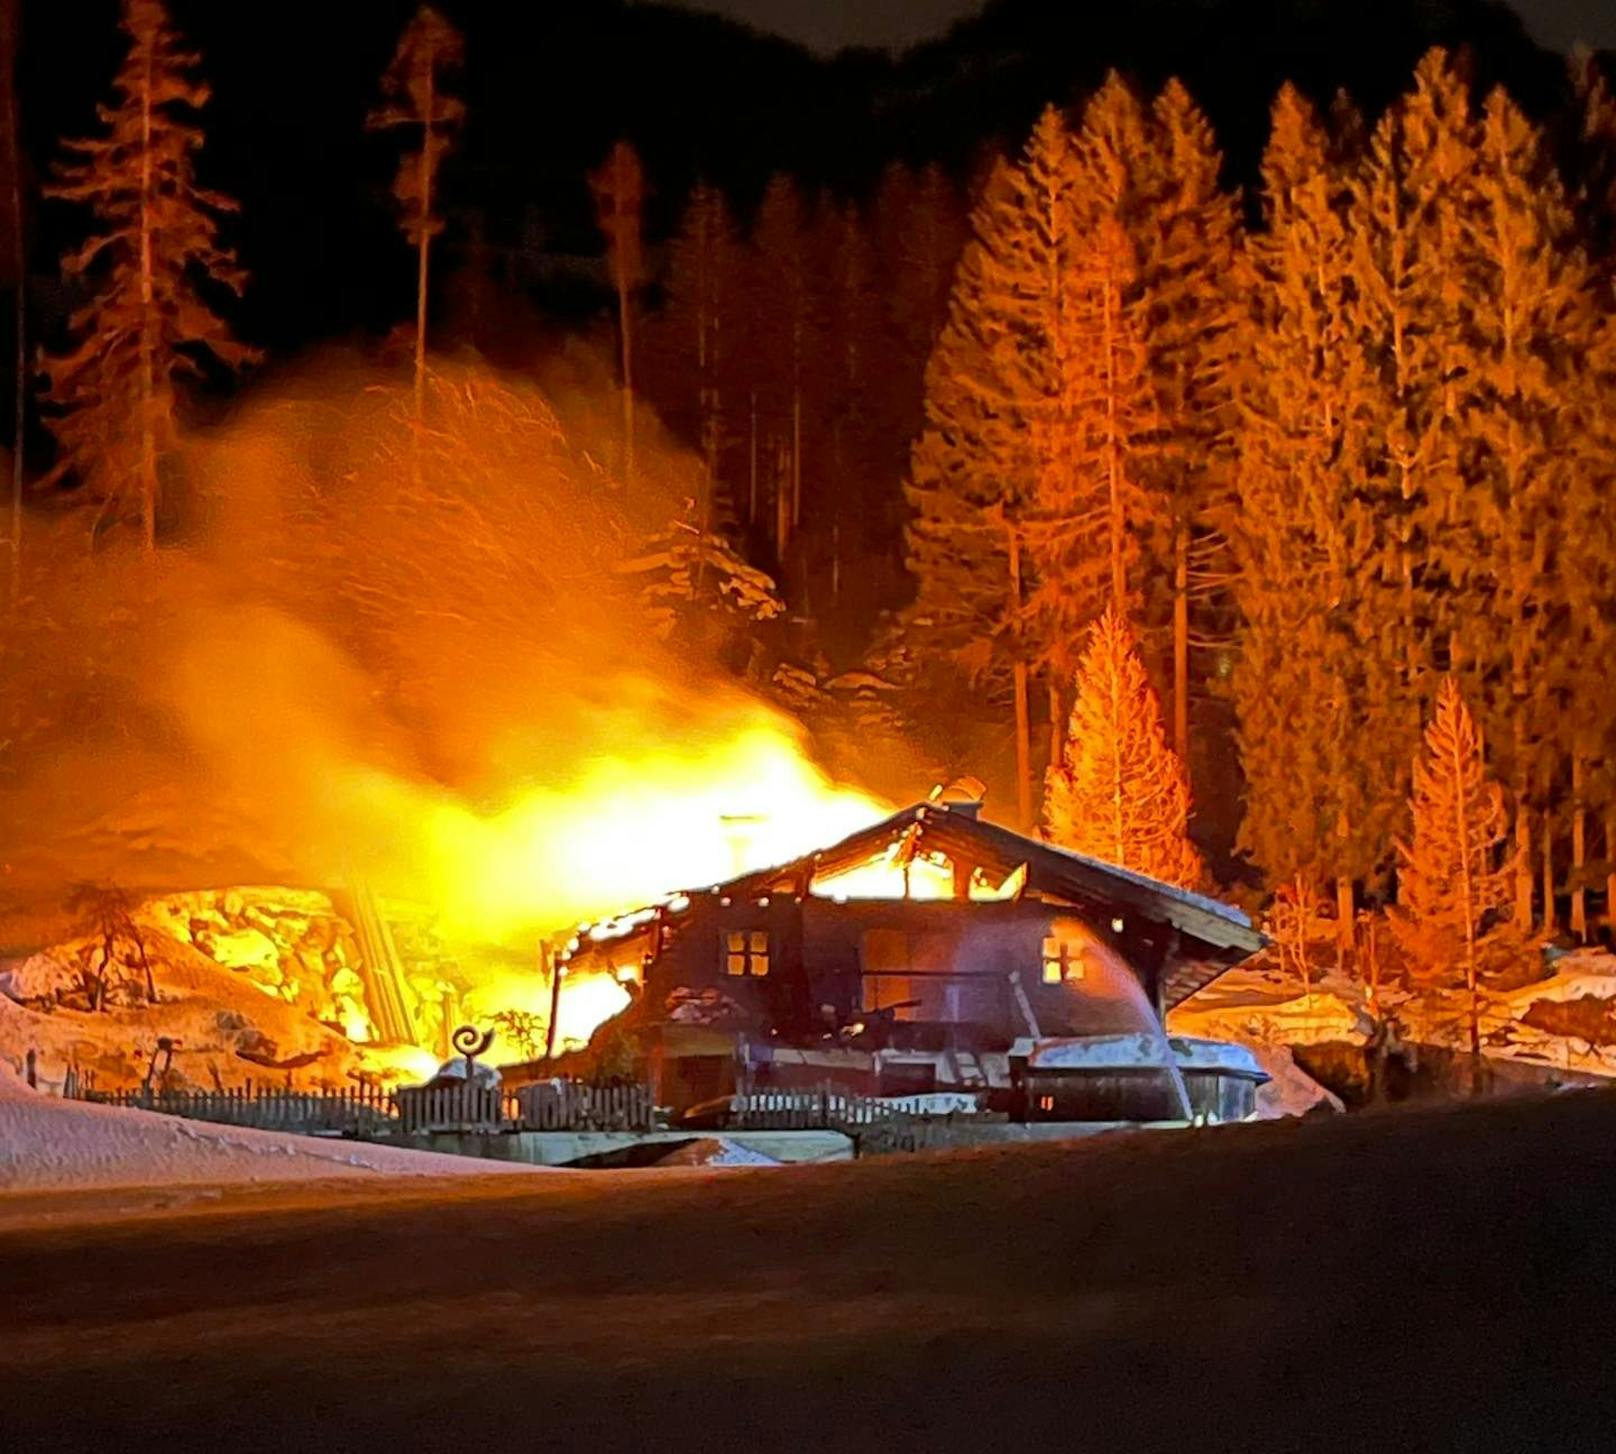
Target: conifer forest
1239,517
807,724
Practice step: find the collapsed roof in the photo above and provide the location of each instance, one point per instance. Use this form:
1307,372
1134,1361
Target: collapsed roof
1209,935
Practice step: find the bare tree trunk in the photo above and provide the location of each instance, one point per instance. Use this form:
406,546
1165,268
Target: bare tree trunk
1467,901
1181,643
423,246
1549,916
1118,522
1579,848
10,33
1019,682
1346,921
1523,863
148,325
752,463
796,458
625,329
1610,873
1057,724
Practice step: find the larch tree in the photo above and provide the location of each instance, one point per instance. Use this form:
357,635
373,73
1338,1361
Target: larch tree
1450,888
619,191
414,100
998,429
1119,791
1312,682
147,322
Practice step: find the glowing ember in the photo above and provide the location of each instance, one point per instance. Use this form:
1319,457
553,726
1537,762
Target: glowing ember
923,876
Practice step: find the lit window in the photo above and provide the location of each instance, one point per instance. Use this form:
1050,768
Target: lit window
746,952
1063,960
1046,1103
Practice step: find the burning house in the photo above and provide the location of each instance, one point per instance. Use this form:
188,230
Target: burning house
932,954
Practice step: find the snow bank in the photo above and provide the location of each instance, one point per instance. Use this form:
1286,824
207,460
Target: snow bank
50,1145
1290,1090
1250,1007
1136,1051
716,1151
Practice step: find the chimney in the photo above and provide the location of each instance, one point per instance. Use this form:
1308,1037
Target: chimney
964,796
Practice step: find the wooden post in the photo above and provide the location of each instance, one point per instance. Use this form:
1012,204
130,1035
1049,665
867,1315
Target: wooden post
555,1009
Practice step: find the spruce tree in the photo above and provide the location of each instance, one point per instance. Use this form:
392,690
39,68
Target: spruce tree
619,190
1411,194
698,331
777,321
1190,233
1093,507
415,100
15,252
1529,324
148,266
1449,886
847,414
999,432
1119,792
1312,684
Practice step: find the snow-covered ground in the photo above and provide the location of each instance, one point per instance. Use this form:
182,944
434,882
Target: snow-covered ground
54,1145
1256,1006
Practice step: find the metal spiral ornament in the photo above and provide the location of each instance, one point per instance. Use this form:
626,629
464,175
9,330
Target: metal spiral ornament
471,1042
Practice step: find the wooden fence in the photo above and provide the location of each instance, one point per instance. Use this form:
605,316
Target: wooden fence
828,1107
460,1107
370,1112
358,1111
569,1105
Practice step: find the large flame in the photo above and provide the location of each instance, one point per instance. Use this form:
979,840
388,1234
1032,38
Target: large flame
628,831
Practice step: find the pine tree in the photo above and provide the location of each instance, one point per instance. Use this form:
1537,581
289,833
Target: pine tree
998,426
148,322
1449,887
619,190
414,98
1120,792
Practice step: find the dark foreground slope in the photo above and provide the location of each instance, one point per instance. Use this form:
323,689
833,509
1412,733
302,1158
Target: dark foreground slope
1433,1280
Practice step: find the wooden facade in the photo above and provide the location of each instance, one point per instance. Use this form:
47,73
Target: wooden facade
772,980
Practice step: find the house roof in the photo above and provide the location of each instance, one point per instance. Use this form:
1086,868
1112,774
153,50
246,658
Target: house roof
1212,935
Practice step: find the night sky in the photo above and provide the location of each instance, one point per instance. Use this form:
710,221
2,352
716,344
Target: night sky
828,25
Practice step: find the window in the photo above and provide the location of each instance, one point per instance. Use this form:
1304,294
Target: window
1063,960
746,952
